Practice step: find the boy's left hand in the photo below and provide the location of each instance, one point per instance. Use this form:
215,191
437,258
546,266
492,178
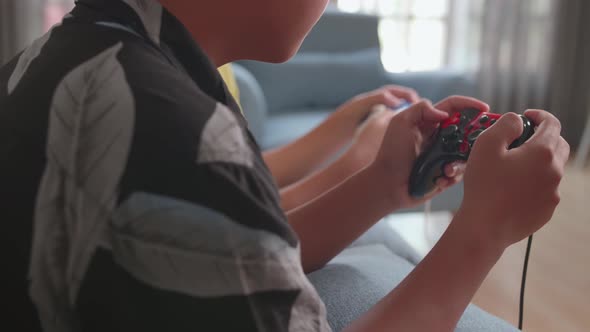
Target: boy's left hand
407,136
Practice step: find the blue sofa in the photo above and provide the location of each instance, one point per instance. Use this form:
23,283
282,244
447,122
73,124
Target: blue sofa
340,58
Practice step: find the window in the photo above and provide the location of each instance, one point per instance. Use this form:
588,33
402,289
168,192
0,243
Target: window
414,33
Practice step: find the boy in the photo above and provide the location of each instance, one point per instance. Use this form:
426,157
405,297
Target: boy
139,201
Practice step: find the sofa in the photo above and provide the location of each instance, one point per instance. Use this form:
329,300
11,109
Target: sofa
339,59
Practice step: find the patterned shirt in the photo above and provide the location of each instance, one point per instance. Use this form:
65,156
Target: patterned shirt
134,198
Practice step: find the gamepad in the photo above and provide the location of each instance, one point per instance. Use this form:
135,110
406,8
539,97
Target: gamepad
453,142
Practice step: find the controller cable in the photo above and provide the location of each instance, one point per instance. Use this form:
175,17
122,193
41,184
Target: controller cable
522,286
428,210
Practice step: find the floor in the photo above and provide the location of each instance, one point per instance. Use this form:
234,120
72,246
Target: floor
558,281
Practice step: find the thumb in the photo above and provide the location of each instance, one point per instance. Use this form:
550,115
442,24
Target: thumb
508,128
424,112
380,97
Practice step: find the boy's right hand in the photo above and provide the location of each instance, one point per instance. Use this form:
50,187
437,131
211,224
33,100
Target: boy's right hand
510,194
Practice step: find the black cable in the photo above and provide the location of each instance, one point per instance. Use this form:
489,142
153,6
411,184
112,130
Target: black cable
524,270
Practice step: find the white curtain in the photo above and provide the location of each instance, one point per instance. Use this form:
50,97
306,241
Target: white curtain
516,53
527,54
21,21
569,84
503,44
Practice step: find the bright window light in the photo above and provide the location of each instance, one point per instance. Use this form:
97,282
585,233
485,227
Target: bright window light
413,33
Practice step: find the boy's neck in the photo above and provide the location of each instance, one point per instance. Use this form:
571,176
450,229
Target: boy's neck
203,26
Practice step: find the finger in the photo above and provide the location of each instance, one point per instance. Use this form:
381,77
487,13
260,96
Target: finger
367,101
537,116
444,183
377,110
458,103
383,115
388,99
425,112
548,127
408,94
377,113
454,169
502,134
456,179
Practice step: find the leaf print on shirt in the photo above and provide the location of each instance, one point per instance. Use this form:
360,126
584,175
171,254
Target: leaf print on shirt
90,131
223,140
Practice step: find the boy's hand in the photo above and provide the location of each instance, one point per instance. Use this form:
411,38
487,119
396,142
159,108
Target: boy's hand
408,135
510,194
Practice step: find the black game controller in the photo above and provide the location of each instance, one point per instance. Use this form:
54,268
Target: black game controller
453,142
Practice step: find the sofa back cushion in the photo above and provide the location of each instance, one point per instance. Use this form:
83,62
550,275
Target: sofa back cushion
318,80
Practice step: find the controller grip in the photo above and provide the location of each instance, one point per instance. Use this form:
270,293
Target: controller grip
423,178
430,166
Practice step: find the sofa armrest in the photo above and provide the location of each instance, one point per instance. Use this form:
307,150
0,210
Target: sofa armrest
252,100
436,85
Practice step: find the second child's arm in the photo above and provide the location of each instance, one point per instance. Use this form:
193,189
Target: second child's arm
296,160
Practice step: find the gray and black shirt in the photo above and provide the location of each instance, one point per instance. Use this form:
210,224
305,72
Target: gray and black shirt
133,197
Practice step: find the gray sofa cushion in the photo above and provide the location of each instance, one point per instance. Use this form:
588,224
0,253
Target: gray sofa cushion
312,80
437,85
281,129
360,276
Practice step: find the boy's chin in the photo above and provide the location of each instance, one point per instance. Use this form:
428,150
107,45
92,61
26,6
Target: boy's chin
278,53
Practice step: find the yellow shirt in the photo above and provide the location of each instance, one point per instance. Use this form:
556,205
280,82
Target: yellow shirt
230,80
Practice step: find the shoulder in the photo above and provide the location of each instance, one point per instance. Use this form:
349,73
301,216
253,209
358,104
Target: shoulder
90,54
